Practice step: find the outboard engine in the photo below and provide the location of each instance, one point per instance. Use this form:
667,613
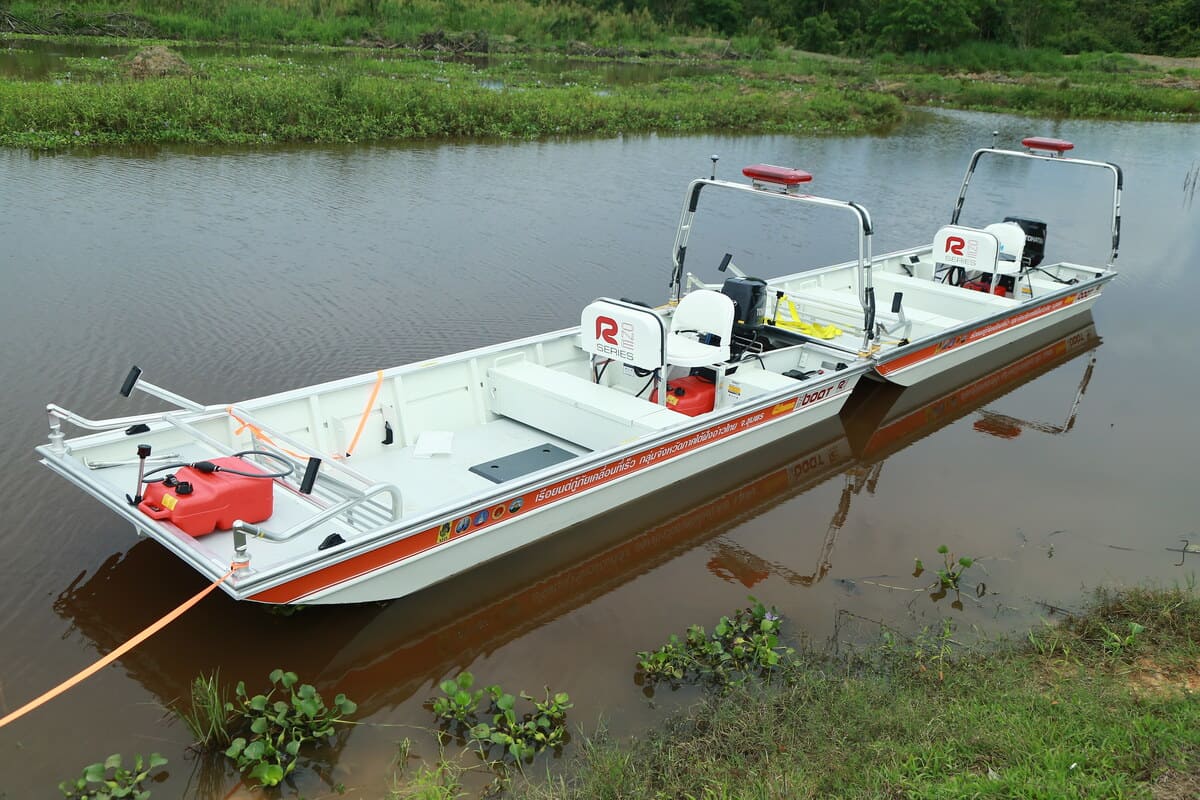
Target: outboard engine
1035,241
749,297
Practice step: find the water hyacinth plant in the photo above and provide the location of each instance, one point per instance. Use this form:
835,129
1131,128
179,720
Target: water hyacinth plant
518,738
742,645
278,728
111,779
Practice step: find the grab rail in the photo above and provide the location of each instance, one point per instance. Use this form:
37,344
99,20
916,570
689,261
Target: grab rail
333,511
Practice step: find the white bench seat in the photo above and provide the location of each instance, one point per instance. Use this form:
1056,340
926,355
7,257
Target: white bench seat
574,408
813,299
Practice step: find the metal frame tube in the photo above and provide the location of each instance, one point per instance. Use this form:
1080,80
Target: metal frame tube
1118,186
866,292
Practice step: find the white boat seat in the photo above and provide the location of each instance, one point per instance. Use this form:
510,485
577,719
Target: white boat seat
623,331
703,311
969,248
1011,237
573,408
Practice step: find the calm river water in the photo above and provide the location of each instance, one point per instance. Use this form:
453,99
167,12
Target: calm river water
231,274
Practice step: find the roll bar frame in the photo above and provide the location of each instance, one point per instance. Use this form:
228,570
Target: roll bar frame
866,292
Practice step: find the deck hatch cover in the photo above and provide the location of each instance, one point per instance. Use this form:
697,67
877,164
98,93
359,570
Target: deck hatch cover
522,463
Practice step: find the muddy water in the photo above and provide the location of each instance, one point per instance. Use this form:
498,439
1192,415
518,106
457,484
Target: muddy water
225,274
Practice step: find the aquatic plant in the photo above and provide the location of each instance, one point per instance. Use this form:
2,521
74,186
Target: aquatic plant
208,715
111,779
742,645
279,728
459,703
1115,643
518,738
952,569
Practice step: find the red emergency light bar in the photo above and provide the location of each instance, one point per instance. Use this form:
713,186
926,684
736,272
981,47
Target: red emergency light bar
1059,146
768,173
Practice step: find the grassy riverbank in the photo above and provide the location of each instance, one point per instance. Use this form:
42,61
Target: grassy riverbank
275,98
1103,706
229,96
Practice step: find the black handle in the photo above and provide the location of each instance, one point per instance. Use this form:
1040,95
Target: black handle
896,298
130,380
310,475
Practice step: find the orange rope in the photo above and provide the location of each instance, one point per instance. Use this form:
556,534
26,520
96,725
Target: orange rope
115,654
258,433
362,422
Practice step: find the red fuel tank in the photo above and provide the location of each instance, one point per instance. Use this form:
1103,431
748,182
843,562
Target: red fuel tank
691,395
203,502
985,287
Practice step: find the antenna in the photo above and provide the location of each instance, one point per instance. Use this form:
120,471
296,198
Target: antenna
715,159
994,135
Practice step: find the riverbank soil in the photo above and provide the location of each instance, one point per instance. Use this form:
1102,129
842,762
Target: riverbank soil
1100,706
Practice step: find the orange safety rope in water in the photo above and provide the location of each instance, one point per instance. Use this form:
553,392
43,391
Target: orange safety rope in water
362,422
115,654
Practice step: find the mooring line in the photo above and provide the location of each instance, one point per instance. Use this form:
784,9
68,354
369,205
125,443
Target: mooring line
83,675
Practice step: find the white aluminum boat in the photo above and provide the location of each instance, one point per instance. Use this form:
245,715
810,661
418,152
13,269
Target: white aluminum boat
382,655
376,486
970,292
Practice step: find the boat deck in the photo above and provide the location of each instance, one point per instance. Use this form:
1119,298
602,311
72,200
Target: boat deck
443,477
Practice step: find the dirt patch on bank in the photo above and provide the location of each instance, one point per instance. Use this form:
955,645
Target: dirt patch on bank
1150,677
1177,785
157,62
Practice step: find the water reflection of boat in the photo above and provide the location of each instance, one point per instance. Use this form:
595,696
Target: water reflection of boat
918,412
381,654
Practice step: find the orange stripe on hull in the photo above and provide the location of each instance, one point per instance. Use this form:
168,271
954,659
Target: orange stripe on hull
485,517
984,331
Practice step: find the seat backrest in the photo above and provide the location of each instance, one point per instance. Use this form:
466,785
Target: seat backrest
1011,237
969,248
705,311
625,332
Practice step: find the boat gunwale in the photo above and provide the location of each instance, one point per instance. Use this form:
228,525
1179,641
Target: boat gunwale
976,323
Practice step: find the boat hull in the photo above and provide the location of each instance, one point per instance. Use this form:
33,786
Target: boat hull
362,579
931,357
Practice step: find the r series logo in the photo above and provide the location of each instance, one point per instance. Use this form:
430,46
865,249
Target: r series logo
606,329
607,342
960,251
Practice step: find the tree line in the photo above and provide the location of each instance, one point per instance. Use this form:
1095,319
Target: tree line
855,27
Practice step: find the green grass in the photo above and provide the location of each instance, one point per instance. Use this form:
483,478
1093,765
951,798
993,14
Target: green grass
205,715
1065,715
343,94
262,99
988,57
1054,97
